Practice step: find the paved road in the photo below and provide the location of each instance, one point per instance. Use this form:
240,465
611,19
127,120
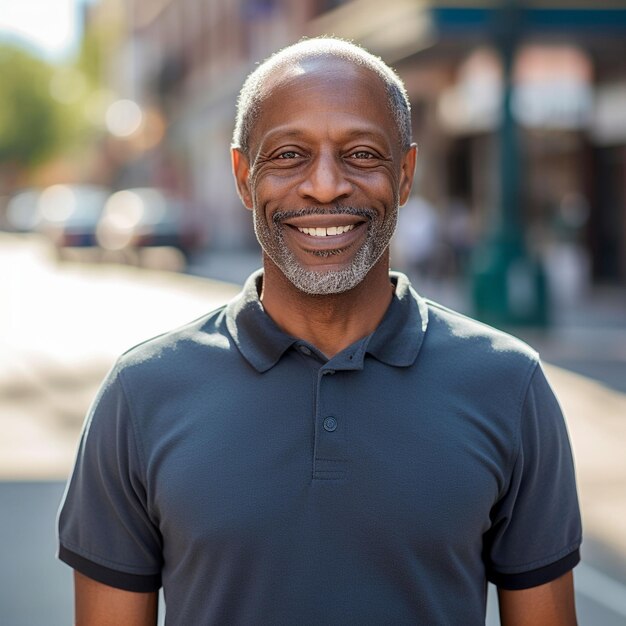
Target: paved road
65,324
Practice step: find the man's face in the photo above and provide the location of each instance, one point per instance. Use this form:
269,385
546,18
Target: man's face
325,176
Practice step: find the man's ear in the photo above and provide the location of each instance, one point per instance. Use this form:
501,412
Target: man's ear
241,172
407,172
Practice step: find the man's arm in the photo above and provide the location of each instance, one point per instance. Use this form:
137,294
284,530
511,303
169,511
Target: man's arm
97,604
551,604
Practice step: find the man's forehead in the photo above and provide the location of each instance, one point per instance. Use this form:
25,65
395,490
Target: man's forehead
340,87
318,70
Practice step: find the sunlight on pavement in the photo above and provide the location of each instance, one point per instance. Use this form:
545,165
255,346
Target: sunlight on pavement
61,328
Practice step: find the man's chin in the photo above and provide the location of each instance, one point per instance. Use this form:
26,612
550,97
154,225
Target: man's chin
323,280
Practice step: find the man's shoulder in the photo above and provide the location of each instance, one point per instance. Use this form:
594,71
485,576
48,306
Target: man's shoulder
486,363
475,339
178,347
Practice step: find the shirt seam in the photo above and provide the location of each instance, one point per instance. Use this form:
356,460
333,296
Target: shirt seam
521,402
138,443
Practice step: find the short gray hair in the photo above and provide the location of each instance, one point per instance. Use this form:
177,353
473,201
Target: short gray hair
252,93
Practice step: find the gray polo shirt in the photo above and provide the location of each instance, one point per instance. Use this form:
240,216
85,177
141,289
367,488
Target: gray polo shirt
261,483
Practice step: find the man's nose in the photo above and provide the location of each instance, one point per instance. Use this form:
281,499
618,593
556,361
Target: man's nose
325,180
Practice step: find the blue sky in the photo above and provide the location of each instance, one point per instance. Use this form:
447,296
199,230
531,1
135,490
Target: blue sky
52,27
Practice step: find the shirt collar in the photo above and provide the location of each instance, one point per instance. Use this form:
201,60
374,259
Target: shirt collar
396,341
254,332
399,336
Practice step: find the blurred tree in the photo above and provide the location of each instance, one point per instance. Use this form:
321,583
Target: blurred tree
31,124
89,59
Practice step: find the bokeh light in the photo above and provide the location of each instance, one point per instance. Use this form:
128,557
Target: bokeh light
124,118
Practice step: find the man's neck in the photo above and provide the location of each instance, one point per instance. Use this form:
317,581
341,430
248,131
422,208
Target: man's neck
331,322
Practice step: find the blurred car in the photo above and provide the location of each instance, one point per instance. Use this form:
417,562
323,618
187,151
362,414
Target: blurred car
146,217
22,211
69,214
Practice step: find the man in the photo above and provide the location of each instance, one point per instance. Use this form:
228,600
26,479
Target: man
329,448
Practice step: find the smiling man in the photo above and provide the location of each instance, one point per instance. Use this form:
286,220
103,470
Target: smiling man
328,448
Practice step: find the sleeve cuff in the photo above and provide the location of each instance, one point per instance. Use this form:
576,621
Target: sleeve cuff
535,577
113,578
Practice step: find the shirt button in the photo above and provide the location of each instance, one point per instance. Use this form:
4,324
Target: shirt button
305,350
330,424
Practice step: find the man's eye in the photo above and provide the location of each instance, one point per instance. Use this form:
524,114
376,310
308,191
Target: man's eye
288,154
362,154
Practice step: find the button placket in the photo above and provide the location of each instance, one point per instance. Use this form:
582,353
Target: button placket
330,459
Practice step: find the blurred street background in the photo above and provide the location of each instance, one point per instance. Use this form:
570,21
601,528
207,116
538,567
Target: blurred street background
119,219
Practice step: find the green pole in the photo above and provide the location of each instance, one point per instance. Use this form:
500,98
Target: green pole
508,287
507,36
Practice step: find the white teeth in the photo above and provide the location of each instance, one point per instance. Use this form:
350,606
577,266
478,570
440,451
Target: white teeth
323,232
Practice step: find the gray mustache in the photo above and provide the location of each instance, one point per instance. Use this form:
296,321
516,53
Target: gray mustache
281,216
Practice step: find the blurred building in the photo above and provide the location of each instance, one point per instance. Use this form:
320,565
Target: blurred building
183,62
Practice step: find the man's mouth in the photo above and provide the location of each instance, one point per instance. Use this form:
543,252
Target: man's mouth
325,232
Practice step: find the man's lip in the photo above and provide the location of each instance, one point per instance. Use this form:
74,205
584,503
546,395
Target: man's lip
324,220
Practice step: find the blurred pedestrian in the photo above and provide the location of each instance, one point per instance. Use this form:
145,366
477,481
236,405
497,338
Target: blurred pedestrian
459,235
329,447
417,243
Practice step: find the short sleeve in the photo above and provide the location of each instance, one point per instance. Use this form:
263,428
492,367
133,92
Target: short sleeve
105,528
536,532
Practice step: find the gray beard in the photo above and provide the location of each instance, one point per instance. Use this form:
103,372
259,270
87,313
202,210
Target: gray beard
379,233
